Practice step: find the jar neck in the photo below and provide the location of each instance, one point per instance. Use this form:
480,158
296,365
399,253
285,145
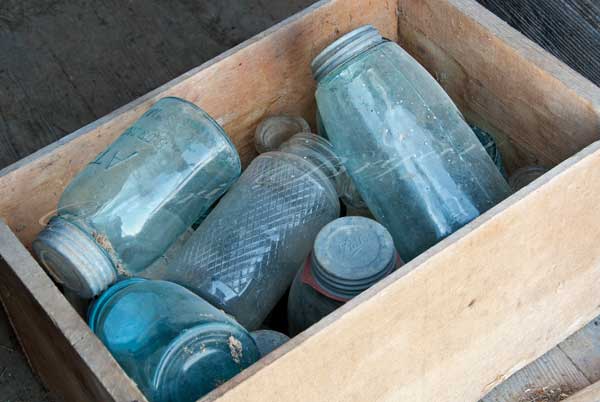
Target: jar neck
319,152
345,48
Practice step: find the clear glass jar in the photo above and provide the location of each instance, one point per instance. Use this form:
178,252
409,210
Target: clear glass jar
173,344
489,143
418,166
244,255
349,255
128,205
275,130
526,175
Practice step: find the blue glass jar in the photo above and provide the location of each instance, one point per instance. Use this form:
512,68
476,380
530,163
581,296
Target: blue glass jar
244,255
349,255
352,199
417,164
268,340
173,344
127,206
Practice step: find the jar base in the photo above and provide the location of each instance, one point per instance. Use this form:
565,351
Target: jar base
201,359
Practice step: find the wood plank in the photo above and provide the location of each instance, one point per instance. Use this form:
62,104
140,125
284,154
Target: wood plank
583,348
434,333
569,367
265,75
553,375
541,110
58,344
589,394
569,29
72,61
454,323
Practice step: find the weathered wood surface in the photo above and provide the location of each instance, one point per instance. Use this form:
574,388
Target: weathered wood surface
571,366
583,348
65,63
488,300
503,82
588,394
553,375
57,342
267,75
569,29
456,321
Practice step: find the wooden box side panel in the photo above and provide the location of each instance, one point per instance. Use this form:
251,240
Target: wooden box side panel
461,318
542,111
268,74
588,394
58,344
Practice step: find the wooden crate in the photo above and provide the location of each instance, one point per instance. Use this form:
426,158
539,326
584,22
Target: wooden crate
451,324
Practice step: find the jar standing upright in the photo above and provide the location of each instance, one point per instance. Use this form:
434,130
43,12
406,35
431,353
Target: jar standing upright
416,163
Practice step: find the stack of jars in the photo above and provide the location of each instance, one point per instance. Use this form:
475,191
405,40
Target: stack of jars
393,147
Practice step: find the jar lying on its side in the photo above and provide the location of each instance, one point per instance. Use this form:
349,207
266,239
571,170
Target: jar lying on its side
416,163
349,255
268,340
135,198
173,344
245,254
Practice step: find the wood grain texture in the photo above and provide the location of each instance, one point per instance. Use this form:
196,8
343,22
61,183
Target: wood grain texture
73,61
583,348
541,111
569,29
553,374
454,323
423,333
58,344
266,75
588,394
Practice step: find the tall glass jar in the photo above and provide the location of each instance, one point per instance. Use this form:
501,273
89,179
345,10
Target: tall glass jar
128,205
244,255
417,164
173,344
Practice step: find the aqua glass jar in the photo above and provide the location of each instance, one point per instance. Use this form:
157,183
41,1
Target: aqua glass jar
244,256
526,175
268,340
418,166
275,130
173,344
489,144
128,205
349,255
